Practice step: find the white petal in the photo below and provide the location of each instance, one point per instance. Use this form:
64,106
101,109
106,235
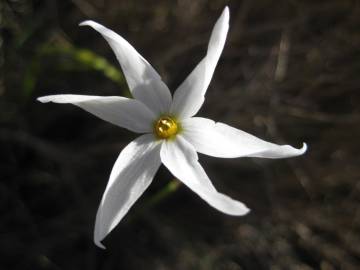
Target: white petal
144,82
181,159
132,173
221,140
124,112
189,97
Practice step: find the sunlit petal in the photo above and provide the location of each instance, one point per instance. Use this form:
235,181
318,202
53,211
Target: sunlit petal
124,112
181,159
144,82
224,141
189,97
132,173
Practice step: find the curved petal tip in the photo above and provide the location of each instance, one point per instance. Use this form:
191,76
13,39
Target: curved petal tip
44,99
243,210
290,151
87,22
303,149
225,15
246,211
98,243
226,10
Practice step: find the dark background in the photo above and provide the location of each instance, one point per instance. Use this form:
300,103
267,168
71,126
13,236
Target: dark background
289,73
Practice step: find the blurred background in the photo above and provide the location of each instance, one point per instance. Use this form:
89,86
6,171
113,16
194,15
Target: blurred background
289,73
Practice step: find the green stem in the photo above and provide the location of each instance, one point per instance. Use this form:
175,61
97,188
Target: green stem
162,194
170,188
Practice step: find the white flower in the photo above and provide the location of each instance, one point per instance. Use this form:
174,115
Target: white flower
172,135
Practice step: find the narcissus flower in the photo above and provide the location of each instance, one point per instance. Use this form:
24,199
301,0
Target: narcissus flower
170,133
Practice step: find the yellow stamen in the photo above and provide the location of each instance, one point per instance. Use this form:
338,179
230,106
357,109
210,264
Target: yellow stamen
166,127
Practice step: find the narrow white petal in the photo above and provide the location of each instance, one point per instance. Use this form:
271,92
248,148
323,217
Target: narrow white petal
224,141
124,112
189,97
132,173
184,155
181,159
144,82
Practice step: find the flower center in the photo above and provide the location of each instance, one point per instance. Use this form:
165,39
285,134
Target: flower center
166,127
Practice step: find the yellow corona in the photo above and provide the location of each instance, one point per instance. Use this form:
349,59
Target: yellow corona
166,127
